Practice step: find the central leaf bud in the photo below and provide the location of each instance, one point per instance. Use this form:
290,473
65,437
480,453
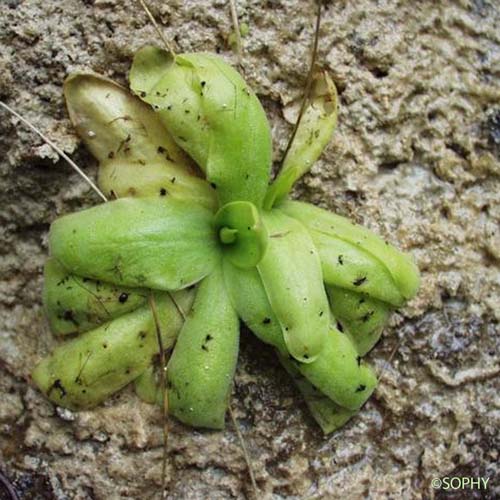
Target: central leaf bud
241,233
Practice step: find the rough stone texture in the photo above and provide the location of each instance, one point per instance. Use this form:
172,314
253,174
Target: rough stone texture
415,157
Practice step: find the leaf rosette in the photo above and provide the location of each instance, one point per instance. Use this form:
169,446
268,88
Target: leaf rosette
195,224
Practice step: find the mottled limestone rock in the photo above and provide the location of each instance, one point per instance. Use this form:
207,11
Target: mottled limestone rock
415,157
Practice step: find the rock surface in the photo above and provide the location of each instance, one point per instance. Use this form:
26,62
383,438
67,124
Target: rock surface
415,157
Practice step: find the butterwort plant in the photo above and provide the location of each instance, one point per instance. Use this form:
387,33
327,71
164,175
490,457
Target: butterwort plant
196,237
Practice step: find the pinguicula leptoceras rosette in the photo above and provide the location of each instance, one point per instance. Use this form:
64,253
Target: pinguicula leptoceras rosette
195,225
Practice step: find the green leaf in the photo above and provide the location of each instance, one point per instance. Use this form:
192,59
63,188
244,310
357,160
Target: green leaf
76,304
291,274
313,134
118,179
82,372
201,369
362,316
212,115
149,64
137,156
340,373
337,372
354,258
147,386
164,244
242,235
250,301
329,415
